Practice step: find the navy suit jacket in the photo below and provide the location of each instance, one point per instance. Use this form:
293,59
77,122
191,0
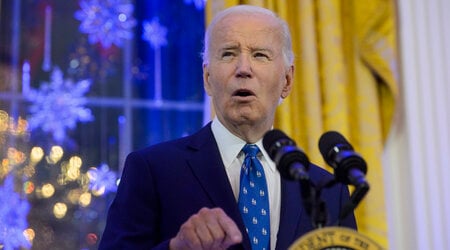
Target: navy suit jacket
163,185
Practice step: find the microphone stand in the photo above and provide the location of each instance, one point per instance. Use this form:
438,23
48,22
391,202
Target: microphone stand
315,207
356,197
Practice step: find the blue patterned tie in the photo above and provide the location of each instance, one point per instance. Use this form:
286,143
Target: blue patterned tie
253,199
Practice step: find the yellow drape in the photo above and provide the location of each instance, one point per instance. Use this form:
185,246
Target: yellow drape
345,80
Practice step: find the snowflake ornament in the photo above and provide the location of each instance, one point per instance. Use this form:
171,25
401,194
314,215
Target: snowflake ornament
13,217
155,33
106,21
102,180
58,105
199,4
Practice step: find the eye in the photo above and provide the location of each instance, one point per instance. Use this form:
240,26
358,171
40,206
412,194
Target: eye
261,56
227,55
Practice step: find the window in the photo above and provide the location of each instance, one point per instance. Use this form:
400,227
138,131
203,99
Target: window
83,83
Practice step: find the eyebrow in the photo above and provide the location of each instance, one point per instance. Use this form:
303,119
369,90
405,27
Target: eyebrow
230,47
253,49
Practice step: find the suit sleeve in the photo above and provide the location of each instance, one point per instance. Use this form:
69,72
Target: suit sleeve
133,215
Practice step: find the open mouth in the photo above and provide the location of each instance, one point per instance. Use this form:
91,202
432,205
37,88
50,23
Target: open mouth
243,93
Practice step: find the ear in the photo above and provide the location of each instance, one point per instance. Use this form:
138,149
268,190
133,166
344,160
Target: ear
206,83
289,80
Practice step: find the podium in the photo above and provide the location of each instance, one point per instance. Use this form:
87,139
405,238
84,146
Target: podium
335,238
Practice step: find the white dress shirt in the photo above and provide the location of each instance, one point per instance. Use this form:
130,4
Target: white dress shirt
230,147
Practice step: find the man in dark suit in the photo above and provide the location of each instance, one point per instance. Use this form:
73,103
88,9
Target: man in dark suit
183,194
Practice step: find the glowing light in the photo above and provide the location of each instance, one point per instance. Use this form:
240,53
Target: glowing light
101,180
72,169
74,195
73,173
7,124
28,187
29,234
4,168
99,191
155,33
22,127
47,190
58,105
15,156
91,239
36,154
56,153
4,121
85,199
83,181
59,210
107,21
75,162
122,17
74,63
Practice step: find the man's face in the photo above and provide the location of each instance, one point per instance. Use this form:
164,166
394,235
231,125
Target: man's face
246,74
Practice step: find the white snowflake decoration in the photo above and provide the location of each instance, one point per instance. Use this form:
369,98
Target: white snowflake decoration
199,4
106,21
13,217
58,105
102,180
154,33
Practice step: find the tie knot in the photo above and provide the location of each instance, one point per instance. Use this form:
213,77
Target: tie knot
250,150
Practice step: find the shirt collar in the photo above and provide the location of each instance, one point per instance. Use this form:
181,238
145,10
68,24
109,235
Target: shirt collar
230,145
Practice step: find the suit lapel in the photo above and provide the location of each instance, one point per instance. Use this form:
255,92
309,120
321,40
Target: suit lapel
206,164
290,214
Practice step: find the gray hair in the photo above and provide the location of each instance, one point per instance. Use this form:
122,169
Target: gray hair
288,54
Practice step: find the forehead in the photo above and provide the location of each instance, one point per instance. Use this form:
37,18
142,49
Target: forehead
257,29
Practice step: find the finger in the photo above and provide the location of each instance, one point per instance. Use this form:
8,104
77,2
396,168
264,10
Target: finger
218,226
204,234
187,237
209,229
232,234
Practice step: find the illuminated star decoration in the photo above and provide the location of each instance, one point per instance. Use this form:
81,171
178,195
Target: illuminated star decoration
154,33
102,180
58,105
13,217
199,4
106,21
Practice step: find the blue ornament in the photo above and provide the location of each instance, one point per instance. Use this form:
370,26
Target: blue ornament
154,33
199,4
106,21
58,105
102,180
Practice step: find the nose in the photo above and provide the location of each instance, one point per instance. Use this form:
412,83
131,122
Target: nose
244,67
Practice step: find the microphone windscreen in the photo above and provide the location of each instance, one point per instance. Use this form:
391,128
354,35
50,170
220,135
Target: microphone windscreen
329,140
271,138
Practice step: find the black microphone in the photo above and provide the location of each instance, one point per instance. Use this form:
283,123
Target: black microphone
349,167
291,162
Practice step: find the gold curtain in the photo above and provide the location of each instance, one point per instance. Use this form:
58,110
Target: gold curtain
345,80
